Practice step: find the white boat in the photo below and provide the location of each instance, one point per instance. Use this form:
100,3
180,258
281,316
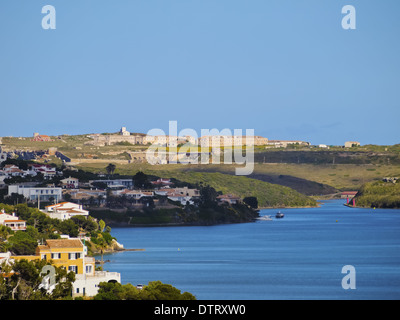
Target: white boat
279,215
265,218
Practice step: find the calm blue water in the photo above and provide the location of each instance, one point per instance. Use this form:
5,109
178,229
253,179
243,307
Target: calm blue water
298,257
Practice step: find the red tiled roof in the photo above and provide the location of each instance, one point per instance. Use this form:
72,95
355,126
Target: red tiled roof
64,243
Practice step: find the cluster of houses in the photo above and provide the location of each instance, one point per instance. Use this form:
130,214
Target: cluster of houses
70,253
97,189
12,221
11,170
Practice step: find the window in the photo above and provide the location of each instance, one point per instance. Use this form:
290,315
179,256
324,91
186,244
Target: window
74,255
56,255
89,269
73,268
44,257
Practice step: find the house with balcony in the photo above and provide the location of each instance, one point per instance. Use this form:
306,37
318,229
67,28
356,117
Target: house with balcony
36,193
70,183
12,221
71,254
65,210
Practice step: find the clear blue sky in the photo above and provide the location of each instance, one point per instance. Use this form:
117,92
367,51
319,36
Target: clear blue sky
285,68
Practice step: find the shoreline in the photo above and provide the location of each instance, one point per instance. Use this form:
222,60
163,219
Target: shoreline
359,207
188,224
294,207
197,224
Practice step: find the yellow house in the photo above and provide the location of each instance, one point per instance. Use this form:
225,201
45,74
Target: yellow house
68,253
71,255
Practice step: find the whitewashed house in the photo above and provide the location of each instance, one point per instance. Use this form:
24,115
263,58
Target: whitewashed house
65,210
12,221
36,193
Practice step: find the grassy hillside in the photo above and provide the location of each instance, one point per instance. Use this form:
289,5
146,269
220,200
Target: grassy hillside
311,171
341,176
268,195
379,194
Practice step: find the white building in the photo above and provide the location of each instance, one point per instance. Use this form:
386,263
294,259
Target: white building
12,170
116,183
46,170
65,210
350,144
182,195
70,183
135,194
88,284
12,221
35,193
124,132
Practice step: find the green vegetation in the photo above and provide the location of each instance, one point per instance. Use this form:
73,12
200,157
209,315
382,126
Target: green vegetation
379,194
307,169
40,227
155,290
267,194
22,281
306,177
207,211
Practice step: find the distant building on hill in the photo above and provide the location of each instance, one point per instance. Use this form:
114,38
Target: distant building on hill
38,137
350,144
231,141
285,143
124,132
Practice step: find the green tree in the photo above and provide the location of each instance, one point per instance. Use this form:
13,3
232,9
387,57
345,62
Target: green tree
251,201
111,168
155,290
101,242
69,227
141,181
23,242
110,291
208,197
26,279
102,225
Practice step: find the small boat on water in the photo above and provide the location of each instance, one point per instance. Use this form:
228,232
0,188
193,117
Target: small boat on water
279,215
265,218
